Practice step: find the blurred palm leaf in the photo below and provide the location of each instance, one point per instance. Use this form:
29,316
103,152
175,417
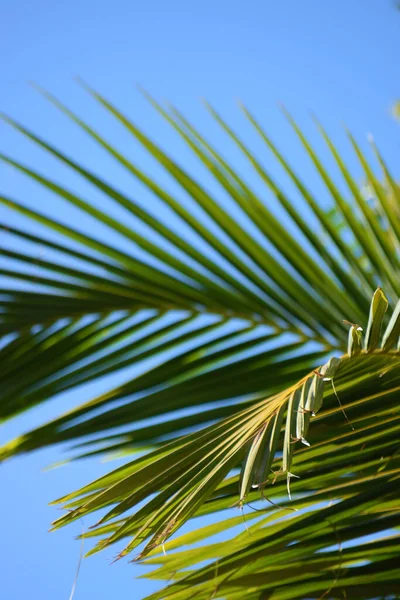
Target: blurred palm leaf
222,312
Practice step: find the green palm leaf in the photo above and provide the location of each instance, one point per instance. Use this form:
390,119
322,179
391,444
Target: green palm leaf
216,321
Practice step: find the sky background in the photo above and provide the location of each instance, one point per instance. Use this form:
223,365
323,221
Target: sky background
338,59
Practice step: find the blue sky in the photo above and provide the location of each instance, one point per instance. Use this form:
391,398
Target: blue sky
337,58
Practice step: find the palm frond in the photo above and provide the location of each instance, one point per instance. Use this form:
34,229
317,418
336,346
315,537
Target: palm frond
186,471
216,321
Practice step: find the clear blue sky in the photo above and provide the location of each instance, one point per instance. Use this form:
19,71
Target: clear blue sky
338,58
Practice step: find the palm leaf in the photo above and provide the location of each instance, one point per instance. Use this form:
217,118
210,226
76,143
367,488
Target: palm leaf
191,476
216,320
224,443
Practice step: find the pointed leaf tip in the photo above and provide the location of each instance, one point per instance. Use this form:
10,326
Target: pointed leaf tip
392,332
377,312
